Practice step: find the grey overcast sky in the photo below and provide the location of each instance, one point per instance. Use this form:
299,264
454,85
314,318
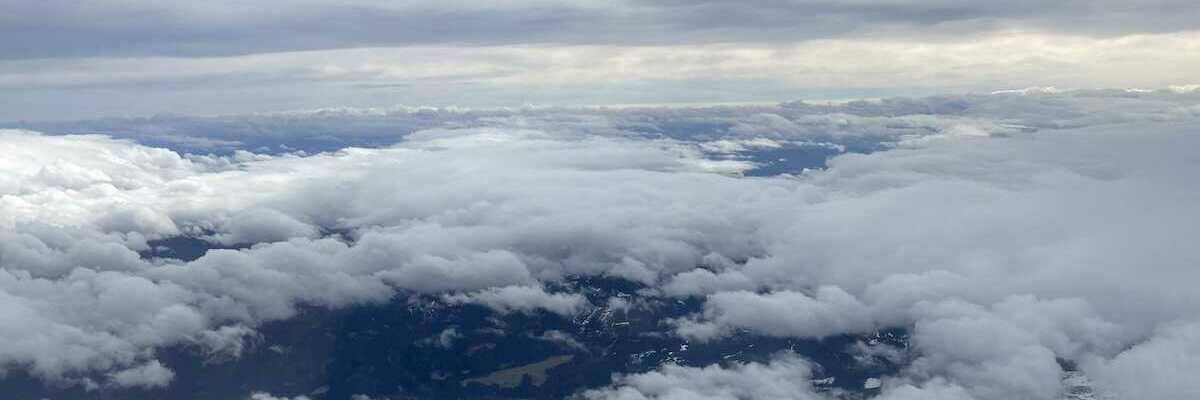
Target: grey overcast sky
64,59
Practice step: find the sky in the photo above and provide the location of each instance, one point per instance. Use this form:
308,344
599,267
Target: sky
110,58
1017,189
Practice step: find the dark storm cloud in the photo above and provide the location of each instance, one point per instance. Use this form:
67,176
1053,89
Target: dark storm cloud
66,29
57,28
809,19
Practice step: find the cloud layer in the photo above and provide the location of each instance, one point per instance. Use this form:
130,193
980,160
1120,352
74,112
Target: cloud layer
1007,241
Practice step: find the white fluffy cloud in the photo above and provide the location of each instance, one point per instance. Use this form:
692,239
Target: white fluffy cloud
487,214
1159,368
523,299
1002,252
784,313
783,378
150,375
268,396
